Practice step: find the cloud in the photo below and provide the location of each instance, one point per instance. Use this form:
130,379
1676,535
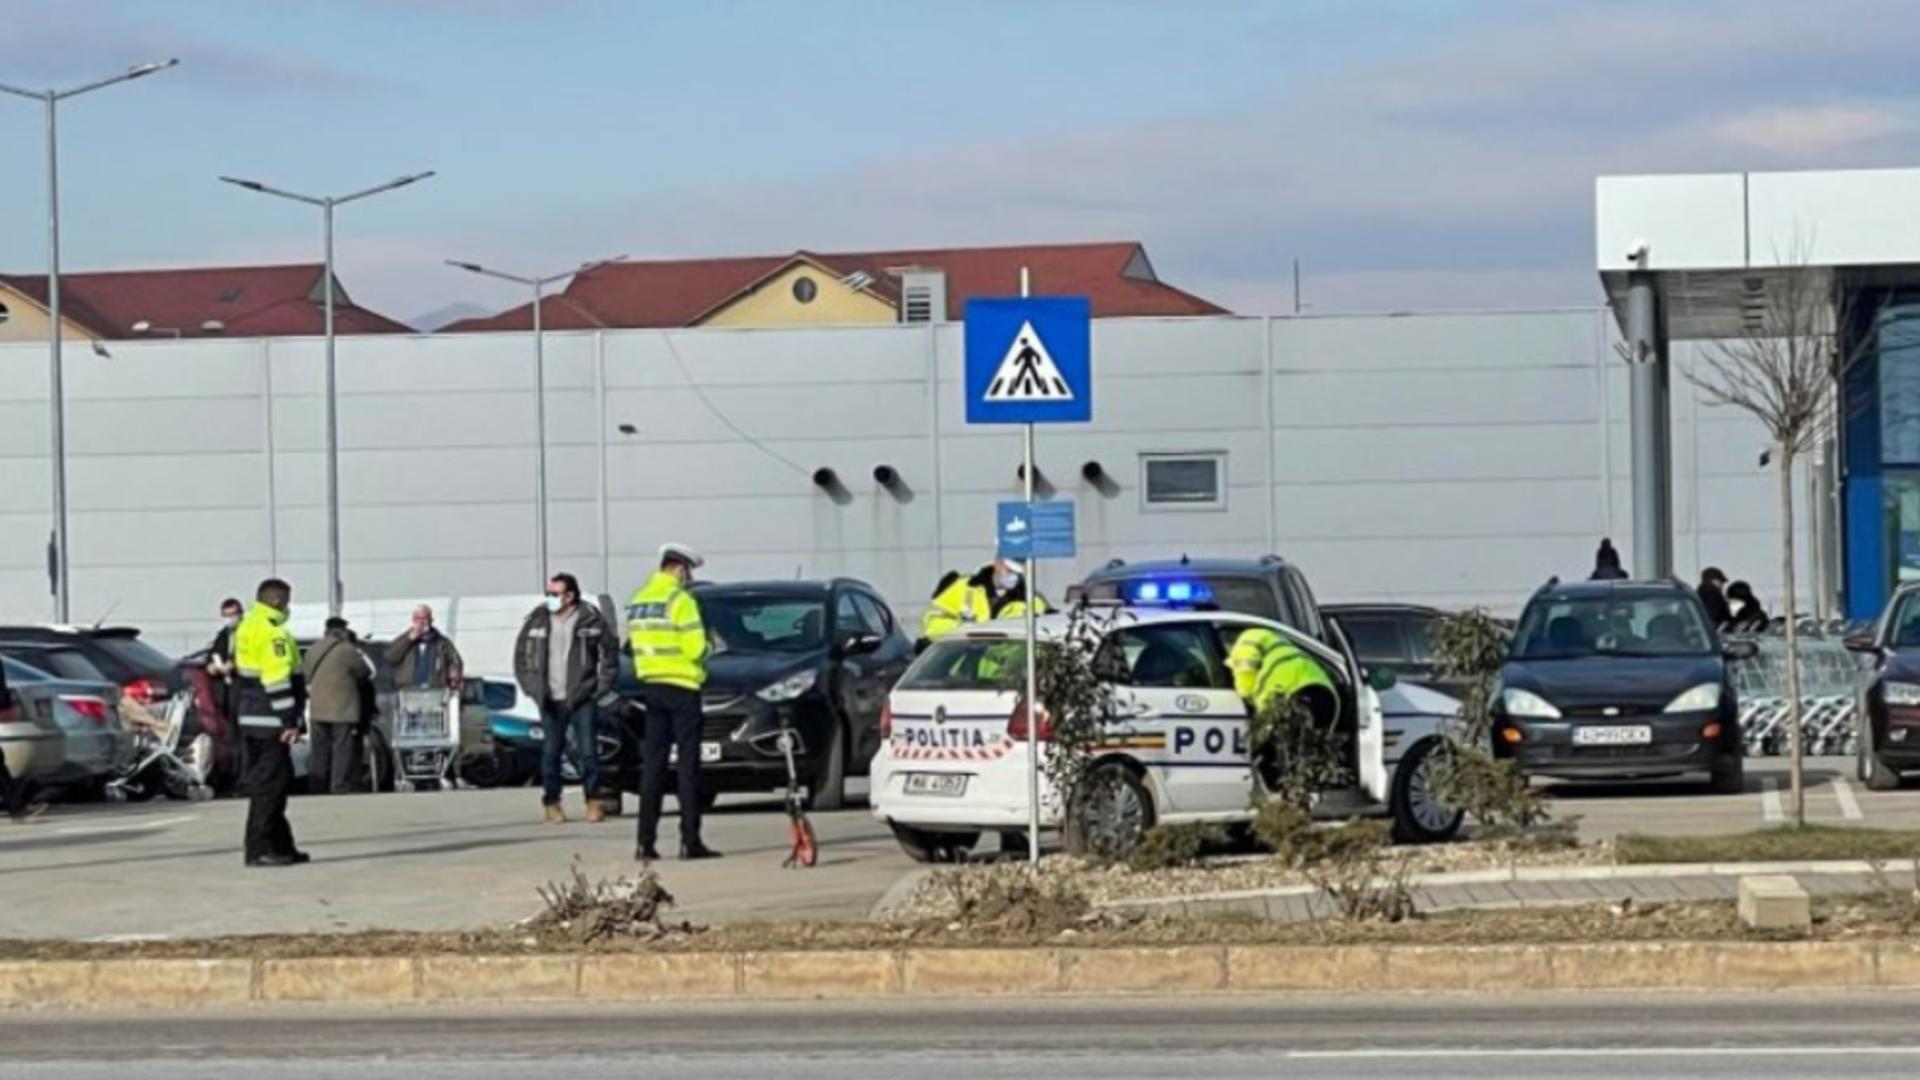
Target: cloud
60,44
1810,132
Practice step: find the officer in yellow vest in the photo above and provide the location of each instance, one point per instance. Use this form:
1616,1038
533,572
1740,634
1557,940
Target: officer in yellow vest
1266,666
996,591
269,695
670,660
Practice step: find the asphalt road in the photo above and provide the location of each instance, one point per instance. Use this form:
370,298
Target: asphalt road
472,858
1763,1037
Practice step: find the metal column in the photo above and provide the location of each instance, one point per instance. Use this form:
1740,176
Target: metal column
1652,432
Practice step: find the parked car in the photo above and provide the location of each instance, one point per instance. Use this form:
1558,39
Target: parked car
1267,588
1396,638
1618,680
1889,703
955,762
818,656
69,734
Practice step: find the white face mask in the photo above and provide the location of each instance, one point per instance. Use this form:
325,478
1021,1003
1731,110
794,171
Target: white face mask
233,620
553,604
1006,580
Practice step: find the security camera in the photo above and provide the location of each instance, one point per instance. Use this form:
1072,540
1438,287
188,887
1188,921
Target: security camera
1637,251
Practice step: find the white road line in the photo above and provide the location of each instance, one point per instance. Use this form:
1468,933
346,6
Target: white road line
1770,800
1605,1052
1849,806
125,826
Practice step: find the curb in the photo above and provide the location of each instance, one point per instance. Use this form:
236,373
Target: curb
958,973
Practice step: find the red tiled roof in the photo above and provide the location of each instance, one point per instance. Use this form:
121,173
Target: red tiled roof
678,292
250,301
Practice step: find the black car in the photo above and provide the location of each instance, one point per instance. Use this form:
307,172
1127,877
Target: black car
1890,703
113,653
1620,680
820,656
1397,638
1268,587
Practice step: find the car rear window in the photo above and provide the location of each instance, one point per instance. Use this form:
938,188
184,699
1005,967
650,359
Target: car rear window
135,655
1237,593
65,663
969,663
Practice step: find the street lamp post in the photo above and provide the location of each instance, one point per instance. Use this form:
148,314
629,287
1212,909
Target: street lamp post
538,285
336,590
62,580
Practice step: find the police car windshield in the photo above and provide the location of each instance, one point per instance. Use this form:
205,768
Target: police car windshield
1656,624
965,663
764,622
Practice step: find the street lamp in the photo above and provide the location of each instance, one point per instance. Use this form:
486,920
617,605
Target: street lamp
326,203
62,583
538,284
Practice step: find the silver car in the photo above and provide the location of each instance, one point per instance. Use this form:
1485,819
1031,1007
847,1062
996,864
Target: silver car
69,732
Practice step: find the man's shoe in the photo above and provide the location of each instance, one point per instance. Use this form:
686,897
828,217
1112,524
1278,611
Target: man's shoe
691,852
301,858
30,812
646,854
595,813
555,815
271,860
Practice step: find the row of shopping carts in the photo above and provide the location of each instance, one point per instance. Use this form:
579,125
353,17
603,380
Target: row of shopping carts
1830,681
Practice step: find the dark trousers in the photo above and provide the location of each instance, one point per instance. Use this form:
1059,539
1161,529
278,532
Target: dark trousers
673,722
269,780
13,791
335,764
561,726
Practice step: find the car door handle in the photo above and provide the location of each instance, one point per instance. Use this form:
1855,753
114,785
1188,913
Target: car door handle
1141,708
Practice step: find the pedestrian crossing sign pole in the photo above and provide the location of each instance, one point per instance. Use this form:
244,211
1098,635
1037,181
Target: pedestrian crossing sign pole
1030,362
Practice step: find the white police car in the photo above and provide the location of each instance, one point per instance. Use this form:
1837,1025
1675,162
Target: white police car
953,760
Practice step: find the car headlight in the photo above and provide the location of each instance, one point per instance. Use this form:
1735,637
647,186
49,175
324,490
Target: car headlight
1901,693
1526,703
1699,699
790,687
536,732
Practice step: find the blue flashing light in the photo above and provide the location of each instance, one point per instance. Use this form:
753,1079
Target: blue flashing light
1180,592
1184,593
1149,591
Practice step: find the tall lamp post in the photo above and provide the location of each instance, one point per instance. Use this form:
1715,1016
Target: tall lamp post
335,588
62,580
538,285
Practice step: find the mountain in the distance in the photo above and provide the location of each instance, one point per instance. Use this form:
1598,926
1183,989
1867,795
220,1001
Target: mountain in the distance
442,316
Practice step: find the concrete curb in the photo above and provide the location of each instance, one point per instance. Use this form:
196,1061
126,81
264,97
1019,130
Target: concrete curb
959,973
1541,874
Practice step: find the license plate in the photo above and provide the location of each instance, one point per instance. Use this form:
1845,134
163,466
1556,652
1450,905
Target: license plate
1613,735
709,753
950,785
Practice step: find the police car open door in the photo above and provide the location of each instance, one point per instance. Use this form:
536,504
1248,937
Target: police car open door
1370,736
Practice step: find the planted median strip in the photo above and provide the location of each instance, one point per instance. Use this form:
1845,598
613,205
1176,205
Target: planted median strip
1807,843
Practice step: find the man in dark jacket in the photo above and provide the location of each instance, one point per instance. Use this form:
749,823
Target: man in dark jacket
1713,597
338,680
566,659
423,658
13,791
1606,563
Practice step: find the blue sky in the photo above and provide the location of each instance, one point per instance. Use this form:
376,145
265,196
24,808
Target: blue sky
1412,153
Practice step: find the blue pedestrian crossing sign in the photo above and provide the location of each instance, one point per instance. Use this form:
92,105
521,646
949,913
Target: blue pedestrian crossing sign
1041,530
1029,361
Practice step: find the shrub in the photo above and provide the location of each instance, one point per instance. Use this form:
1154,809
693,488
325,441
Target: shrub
1168,846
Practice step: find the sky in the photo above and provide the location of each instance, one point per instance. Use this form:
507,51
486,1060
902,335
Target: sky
1411,154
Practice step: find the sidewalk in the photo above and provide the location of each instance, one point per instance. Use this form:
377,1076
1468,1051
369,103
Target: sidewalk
1549,886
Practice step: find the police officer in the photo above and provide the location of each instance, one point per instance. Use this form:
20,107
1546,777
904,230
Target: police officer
997,590
270,692
670,660
1268,666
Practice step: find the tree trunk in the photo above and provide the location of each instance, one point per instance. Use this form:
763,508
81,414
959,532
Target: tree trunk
1795,773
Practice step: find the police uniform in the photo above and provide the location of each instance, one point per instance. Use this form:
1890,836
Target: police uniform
670,660
269,692
1266,666
959,601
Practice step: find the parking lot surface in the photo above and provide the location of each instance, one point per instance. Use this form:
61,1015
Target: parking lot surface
474,858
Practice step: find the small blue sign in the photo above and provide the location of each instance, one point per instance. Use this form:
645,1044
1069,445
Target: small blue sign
1029,361
1042,530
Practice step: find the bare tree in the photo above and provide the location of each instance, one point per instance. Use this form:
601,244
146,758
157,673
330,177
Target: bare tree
1781,370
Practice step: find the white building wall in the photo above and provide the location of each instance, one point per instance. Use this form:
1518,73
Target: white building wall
1450,459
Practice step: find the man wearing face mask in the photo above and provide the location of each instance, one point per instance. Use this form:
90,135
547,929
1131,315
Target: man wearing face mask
566,660
996,591
220,656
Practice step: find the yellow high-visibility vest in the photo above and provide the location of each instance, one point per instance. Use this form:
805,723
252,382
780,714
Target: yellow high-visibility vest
265,658
669,640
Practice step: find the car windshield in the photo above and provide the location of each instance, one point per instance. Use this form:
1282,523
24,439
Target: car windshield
1655,624
764,622
969,663
1905,623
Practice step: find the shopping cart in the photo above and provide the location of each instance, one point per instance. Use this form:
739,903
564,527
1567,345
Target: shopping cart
160,761
425,739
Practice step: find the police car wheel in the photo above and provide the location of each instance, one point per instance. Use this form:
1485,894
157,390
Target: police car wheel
1112,814
932,847
1419,815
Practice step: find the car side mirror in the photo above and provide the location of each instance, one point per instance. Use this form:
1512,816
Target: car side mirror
1381,679
1740,650
1863,642
859,643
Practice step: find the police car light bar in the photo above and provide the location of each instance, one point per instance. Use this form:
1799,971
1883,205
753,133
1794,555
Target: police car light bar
1179,593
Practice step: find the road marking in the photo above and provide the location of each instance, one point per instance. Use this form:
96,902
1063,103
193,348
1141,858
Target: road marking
1849,806
1606,1052
127,826
1770,800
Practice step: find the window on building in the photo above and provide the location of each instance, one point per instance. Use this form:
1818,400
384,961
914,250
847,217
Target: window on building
1183,481
805,289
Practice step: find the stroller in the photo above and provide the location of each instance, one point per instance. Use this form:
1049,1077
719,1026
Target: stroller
160,763
425,739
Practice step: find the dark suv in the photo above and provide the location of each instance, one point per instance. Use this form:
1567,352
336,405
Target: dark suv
1613,680
819,655
1889,705
1268,587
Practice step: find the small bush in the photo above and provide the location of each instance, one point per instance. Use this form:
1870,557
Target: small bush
1167,846
1013,898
